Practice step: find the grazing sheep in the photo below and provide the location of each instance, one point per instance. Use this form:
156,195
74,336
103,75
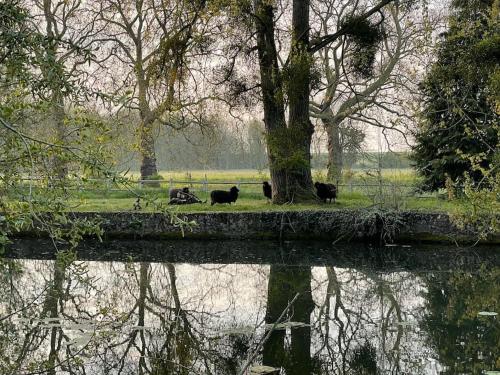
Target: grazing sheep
178,193
268,191
326,191
221,196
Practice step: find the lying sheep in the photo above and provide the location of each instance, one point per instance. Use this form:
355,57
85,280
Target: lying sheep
183,196
326,191
190,199
221,196
178,193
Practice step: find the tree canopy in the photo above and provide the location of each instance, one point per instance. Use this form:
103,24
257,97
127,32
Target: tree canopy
459,133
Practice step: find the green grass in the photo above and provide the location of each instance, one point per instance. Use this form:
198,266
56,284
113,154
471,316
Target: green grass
244,203
249,202
358,190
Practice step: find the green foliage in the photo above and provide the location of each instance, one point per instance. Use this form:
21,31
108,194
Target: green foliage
458,145
15,39
285,155
465,341
366,36
297,71
480,206
460,128
28,146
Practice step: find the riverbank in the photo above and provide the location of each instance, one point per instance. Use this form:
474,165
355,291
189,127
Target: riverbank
336,225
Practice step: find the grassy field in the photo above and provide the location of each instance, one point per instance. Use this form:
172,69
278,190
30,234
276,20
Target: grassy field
248,175
244,203
358,189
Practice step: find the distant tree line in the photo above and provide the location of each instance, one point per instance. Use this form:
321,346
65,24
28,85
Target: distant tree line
217,146
221,147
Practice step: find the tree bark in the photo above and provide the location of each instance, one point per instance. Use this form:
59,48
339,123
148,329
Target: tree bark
301,128
147,139
272,98
335,152
288,147
148,153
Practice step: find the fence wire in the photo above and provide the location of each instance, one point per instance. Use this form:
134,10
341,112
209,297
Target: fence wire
100,185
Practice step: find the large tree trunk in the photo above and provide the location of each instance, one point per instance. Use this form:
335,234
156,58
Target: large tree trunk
272,98
146,133
146,130
299,124
335,158
148,153
288,147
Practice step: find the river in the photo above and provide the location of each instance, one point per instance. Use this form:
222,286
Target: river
193,307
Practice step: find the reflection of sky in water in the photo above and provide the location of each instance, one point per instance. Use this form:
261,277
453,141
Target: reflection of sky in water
351,308
236,292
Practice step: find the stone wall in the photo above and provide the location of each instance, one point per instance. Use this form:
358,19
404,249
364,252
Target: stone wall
333,225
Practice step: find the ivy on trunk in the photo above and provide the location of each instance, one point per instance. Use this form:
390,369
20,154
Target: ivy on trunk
288,144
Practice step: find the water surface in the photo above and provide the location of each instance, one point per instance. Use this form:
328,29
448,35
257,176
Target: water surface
222,307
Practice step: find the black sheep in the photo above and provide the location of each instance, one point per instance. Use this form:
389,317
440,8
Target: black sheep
187,198
221,196
178,193
326,191
268,191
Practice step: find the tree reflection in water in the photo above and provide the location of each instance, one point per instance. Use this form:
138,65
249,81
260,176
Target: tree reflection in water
284,283
74,317
466,341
